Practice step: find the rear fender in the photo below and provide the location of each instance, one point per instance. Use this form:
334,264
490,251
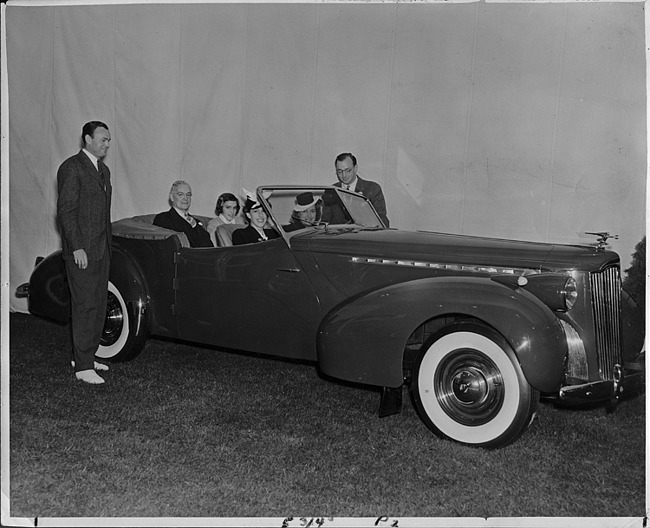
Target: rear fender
128,278
49,295
364,339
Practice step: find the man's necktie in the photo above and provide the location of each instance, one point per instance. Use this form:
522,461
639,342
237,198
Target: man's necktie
100,169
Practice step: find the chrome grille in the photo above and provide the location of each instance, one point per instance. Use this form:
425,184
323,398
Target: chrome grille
605,296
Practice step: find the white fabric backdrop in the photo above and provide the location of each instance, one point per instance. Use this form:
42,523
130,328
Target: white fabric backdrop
523,121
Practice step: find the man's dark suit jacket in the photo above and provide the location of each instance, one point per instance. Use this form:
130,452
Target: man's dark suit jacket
84,207
197,235
372,191
249,235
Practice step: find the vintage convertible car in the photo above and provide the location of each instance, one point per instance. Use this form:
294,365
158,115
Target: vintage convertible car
478,328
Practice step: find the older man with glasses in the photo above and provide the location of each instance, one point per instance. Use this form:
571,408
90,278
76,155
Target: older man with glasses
346,172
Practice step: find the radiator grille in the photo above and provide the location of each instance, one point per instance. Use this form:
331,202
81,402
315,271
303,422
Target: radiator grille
605,296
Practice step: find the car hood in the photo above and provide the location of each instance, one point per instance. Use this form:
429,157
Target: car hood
421,246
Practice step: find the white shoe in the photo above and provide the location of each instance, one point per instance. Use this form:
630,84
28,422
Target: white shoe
89,376
98,366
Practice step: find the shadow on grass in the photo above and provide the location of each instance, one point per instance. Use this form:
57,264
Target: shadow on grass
189,431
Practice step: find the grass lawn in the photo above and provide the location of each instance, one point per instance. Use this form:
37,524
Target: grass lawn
190,431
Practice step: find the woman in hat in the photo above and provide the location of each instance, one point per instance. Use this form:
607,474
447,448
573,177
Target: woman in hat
306,212
256,217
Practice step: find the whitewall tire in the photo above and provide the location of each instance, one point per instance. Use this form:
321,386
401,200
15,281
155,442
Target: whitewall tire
125,329
468,387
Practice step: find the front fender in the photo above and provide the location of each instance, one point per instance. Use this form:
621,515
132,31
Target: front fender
363,340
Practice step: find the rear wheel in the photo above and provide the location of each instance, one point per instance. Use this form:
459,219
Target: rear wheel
468,387
125,328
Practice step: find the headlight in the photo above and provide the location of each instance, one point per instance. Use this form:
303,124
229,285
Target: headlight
558,291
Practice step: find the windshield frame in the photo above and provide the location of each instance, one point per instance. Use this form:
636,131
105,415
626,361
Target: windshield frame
357,207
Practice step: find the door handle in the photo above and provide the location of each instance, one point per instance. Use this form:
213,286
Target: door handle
290,270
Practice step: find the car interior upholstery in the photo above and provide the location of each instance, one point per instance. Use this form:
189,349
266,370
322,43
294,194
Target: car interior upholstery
141,227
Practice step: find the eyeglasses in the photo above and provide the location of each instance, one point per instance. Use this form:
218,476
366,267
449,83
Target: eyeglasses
340,172
182,194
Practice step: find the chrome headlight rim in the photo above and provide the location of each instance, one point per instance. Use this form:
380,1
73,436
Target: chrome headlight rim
558,291
569,293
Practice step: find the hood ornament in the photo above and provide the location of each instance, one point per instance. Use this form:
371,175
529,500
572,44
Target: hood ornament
601,241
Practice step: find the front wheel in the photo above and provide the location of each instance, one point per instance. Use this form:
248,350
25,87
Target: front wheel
468,387
125,328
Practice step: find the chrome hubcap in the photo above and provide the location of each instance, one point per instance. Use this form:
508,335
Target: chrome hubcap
469,387
114,321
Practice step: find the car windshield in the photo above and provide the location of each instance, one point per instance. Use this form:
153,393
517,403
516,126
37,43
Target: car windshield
294,208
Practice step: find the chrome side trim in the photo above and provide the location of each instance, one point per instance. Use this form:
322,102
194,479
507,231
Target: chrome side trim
443,266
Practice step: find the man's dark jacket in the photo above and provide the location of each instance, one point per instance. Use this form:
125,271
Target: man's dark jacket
197,235
84,207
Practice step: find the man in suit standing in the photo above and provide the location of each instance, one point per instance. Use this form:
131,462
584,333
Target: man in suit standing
346,172
84,217
178,217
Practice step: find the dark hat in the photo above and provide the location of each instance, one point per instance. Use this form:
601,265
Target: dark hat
251,201
304,201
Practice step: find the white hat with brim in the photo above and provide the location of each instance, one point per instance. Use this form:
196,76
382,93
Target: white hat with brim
305,201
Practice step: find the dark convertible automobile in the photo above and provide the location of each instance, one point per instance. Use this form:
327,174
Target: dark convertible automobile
479,329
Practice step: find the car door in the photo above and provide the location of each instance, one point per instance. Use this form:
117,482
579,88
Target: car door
251,297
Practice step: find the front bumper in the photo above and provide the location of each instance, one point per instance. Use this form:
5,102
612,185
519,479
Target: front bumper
625,383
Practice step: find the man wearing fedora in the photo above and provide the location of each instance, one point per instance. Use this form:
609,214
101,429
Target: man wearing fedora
346,172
